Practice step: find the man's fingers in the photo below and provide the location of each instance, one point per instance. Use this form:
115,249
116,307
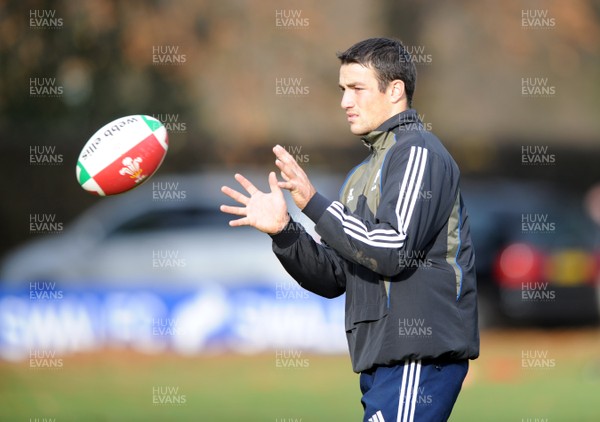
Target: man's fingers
233,210
235,195
284,176
273,183
277,185
250,188
289,170
265,211
285,161
239,222
286,185
281,153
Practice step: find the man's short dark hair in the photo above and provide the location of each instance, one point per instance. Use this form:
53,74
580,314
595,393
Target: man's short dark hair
388,58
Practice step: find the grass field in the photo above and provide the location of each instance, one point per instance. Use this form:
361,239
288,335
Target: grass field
521,376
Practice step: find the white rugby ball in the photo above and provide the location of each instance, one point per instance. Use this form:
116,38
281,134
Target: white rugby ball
122,154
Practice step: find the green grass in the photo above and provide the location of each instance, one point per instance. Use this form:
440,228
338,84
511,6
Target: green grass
560,394
118,386
503,387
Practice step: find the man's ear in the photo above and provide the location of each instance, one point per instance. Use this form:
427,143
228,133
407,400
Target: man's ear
397,91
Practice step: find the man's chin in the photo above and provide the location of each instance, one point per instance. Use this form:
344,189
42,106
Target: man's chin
358,131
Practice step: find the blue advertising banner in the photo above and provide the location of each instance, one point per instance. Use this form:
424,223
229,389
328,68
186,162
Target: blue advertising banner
212,318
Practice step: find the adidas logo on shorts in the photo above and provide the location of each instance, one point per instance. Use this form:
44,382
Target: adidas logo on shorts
377,417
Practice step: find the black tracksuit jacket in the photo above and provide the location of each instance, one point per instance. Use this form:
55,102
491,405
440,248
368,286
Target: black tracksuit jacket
398,243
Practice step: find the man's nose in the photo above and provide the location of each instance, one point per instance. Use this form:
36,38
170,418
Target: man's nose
347,100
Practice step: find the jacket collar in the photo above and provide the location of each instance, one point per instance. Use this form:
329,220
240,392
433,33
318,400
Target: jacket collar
374,139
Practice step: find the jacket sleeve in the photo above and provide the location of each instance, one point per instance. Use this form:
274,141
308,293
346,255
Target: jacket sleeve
416,187
316,267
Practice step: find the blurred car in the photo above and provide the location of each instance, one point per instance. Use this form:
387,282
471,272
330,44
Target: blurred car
537,253
169,230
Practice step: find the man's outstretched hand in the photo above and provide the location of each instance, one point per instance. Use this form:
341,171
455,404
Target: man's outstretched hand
266,212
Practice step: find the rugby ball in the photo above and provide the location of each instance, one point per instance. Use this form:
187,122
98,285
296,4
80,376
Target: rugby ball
121,155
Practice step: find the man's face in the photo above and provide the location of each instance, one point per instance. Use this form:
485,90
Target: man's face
366,107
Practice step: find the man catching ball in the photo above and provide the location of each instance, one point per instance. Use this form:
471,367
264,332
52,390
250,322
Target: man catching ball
397,242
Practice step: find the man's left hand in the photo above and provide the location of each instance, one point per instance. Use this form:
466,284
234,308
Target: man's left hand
295,179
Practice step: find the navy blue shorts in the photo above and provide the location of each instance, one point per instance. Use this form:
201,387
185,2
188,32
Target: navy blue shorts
412,391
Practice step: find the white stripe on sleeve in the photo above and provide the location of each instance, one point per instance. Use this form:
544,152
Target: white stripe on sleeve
407,198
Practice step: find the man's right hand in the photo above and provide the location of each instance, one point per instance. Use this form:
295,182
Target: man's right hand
266,212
